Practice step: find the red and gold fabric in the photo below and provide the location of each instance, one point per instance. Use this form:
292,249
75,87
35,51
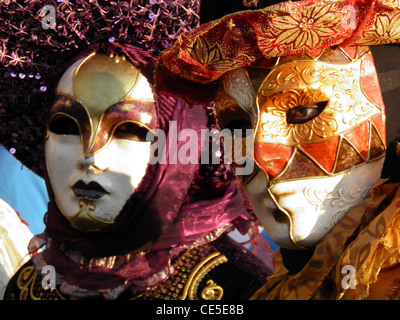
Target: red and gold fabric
286,29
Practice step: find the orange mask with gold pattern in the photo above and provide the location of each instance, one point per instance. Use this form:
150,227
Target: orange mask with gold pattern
319,138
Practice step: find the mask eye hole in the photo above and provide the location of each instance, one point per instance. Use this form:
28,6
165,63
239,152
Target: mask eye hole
302,114
239,127
64,125
131,131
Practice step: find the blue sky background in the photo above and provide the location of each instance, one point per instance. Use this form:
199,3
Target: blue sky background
23,190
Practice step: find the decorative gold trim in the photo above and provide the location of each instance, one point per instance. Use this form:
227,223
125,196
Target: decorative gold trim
123,76
339,145
66,115
25,281
212,291
201,270
26,284
84,220
288,163
311,158
298,148
87,150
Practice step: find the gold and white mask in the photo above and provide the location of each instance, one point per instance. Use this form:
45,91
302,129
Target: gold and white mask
96,150
319,138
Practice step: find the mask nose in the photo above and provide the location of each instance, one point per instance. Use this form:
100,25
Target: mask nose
272,158
93,163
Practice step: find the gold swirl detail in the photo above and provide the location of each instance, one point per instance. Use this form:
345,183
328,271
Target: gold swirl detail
25,282
212,291
30,287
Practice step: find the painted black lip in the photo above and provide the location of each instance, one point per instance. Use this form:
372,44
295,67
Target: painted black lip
92,190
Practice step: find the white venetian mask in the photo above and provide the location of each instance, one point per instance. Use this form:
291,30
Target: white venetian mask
319,139
96,150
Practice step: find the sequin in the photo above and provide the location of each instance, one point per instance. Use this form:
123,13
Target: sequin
34,55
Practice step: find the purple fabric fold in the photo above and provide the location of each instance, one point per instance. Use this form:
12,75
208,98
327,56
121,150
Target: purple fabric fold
196,220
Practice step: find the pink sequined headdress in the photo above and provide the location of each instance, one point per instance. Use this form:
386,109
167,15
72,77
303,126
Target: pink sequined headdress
35,50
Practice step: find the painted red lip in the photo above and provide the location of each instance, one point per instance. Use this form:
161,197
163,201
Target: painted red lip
92,190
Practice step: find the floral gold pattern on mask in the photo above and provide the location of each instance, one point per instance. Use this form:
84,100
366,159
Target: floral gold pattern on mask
393,4
274,125
309,82
331,89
